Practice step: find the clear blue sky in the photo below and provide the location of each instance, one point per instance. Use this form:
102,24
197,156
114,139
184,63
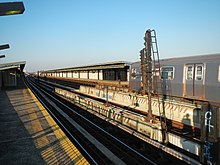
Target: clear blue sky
63,33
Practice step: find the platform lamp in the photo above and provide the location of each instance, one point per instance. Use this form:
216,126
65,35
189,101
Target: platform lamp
2,47
2,56
11,8
6,46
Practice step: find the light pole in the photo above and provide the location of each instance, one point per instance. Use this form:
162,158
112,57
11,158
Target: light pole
9,8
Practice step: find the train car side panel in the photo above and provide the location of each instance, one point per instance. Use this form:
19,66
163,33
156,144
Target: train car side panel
212,88
172,75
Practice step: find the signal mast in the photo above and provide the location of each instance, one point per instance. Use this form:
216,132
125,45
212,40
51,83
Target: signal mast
150,69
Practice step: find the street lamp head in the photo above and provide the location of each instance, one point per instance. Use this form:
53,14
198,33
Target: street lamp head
11,8
6,46
2,56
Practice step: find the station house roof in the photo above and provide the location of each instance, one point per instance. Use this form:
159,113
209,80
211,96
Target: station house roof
108,65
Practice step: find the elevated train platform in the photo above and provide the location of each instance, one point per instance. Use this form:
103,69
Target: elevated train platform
28,134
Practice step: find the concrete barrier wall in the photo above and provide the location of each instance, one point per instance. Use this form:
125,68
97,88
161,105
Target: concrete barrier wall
183,113
184,144
127,118
84,89
93,91
141,102
119,97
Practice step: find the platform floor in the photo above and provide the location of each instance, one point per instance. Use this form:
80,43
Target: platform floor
29,135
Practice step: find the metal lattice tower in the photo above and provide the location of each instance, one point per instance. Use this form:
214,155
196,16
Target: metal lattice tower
150,67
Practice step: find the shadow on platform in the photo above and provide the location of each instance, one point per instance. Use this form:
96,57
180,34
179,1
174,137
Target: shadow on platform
28,134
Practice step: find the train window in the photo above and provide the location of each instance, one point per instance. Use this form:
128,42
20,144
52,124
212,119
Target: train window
199,72
189,74
167,73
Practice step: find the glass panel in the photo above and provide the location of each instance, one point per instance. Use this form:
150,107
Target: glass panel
199,73
164,75
189,74
168,73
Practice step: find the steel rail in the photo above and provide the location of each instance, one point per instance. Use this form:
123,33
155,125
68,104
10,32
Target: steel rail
109,135
57,120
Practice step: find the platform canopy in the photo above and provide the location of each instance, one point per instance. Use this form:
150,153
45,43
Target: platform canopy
12,65
108,65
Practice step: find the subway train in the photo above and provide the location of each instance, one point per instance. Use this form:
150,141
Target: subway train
194,77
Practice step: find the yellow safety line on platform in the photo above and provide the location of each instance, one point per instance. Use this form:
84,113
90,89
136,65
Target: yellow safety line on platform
49,139
69,148
41,141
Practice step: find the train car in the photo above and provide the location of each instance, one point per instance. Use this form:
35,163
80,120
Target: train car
195,77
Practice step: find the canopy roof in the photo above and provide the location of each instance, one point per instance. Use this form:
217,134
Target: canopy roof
12,65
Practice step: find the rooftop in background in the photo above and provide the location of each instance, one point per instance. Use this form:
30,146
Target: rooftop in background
11,8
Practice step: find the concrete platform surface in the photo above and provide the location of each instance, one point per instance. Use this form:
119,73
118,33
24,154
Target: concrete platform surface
29,135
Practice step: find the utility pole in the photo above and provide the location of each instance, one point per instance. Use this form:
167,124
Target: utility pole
150,66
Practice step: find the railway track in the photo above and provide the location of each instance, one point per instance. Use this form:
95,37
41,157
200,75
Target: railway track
158,156
97,144
170,124
173,127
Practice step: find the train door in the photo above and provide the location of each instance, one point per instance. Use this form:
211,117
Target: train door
194,81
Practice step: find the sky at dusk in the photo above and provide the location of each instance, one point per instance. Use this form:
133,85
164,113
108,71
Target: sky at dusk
55,34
